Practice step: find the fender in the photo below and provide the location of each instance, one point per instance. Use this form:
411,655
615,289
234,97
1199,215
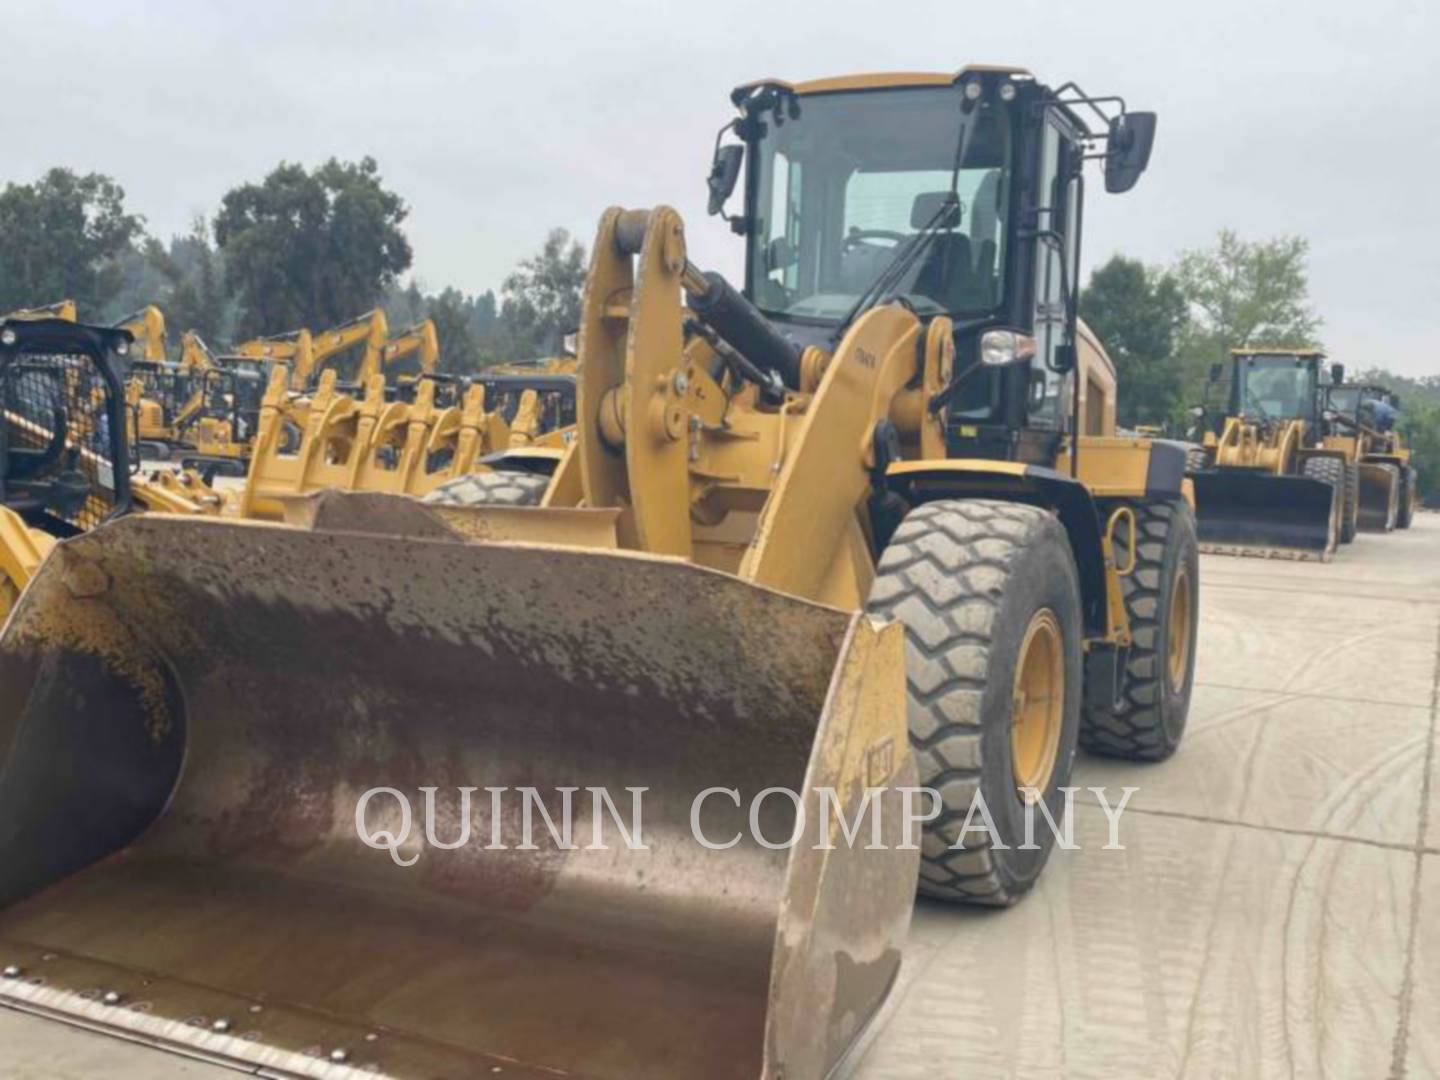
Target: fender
978,478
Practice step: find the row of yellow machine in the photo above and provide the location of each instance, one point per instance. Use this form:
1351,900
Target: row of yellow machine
1296,460
209,413
859,530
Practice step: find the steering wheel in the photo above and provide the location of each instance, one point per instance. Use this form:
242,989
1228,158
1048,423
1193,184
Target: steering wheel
860,236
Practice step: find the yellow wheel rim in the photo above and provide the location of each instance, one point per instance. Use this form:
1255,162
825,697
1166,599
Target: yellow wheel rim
1179,631
1039,705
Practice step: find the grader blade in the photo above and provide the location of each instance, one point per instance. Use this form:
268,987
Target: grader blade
1379,498
192,710
1252,513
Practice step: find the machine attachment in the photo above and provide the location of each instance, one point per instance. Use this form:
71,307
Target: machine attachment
1379,497
1264,514
192,710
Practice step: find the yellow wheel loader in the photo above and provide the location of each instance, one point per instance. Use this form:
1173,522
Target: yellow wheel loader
1265,481
860,524
63,459
1382,485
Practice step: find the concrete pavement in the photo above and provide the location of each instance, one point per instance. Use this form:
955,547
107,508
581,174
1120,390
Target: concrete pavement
1275,910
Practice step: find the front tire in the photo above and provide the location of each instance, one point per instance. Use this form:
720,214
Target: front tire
1350,512
1409,494
989,596
1162,603
1332,471
1392,517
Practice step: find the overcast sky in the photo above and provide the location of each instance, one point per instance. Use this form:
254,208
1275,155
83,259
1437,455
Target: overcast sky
497,121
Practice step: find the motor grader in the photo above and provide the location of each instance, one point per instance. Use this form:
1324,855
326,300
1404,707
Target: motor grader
1381,483
1266,481
860,524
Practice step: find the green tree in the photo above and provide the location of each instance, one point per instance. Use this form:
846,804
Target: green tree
195,297
460,349
63,236
1420,424
311,248
540,300
485,315
1139,314
1243,293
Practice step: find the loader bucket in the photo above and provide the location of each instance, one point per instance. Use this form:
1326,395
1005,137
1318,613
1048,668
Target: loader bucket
1379,498
1254,513
192,711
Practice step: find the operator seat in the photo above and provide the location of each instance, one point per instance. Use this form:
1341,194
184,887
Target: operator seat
947,275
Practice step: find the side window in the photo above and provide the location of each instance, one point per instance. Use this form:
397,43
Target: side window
783,218
1047,400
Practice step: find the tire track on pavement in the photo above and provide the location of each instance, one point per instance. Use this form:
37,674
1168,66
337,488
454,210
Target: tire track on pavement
1401,1046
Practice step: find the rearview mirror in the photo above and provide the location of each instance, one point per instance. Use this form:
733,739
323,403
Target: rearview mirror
1337,373
724,172
1216,370
1128,150
780,254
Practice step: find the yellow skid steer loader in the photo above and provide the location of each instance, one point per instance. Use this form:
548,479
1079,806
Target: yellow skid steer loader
63,454
862,526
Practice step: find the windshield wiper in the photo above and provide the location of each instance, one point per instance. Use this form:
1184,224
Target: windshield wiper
910,251
1251,401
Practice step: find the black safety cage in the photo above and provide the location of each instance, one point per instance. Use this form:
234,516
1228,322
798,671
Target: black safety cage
64,462
556,394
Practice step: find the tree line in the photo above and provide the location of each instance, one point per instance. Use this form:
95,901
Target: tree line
316,247
300,247
1165,326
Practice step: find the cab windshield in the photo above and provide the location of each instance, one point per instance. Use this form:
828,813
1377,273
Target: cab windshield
842,186
1345,399
1277,387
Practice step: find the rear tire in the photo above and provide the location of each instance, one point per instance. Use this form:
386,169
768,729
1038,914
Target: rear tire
1161,601
1405,514
976,582
491,489
1350,512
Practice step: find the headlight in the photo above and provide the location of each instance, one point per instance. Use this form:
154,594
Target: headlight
1001,347
1197,411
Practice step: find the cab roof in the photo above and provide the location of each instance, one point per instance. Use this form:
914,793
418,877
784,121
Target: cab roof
884,79
1262,350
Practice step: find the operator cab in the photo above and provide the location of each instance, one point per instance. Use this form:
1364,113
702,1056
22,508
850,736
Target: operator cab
954,194
1270,386
63,457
